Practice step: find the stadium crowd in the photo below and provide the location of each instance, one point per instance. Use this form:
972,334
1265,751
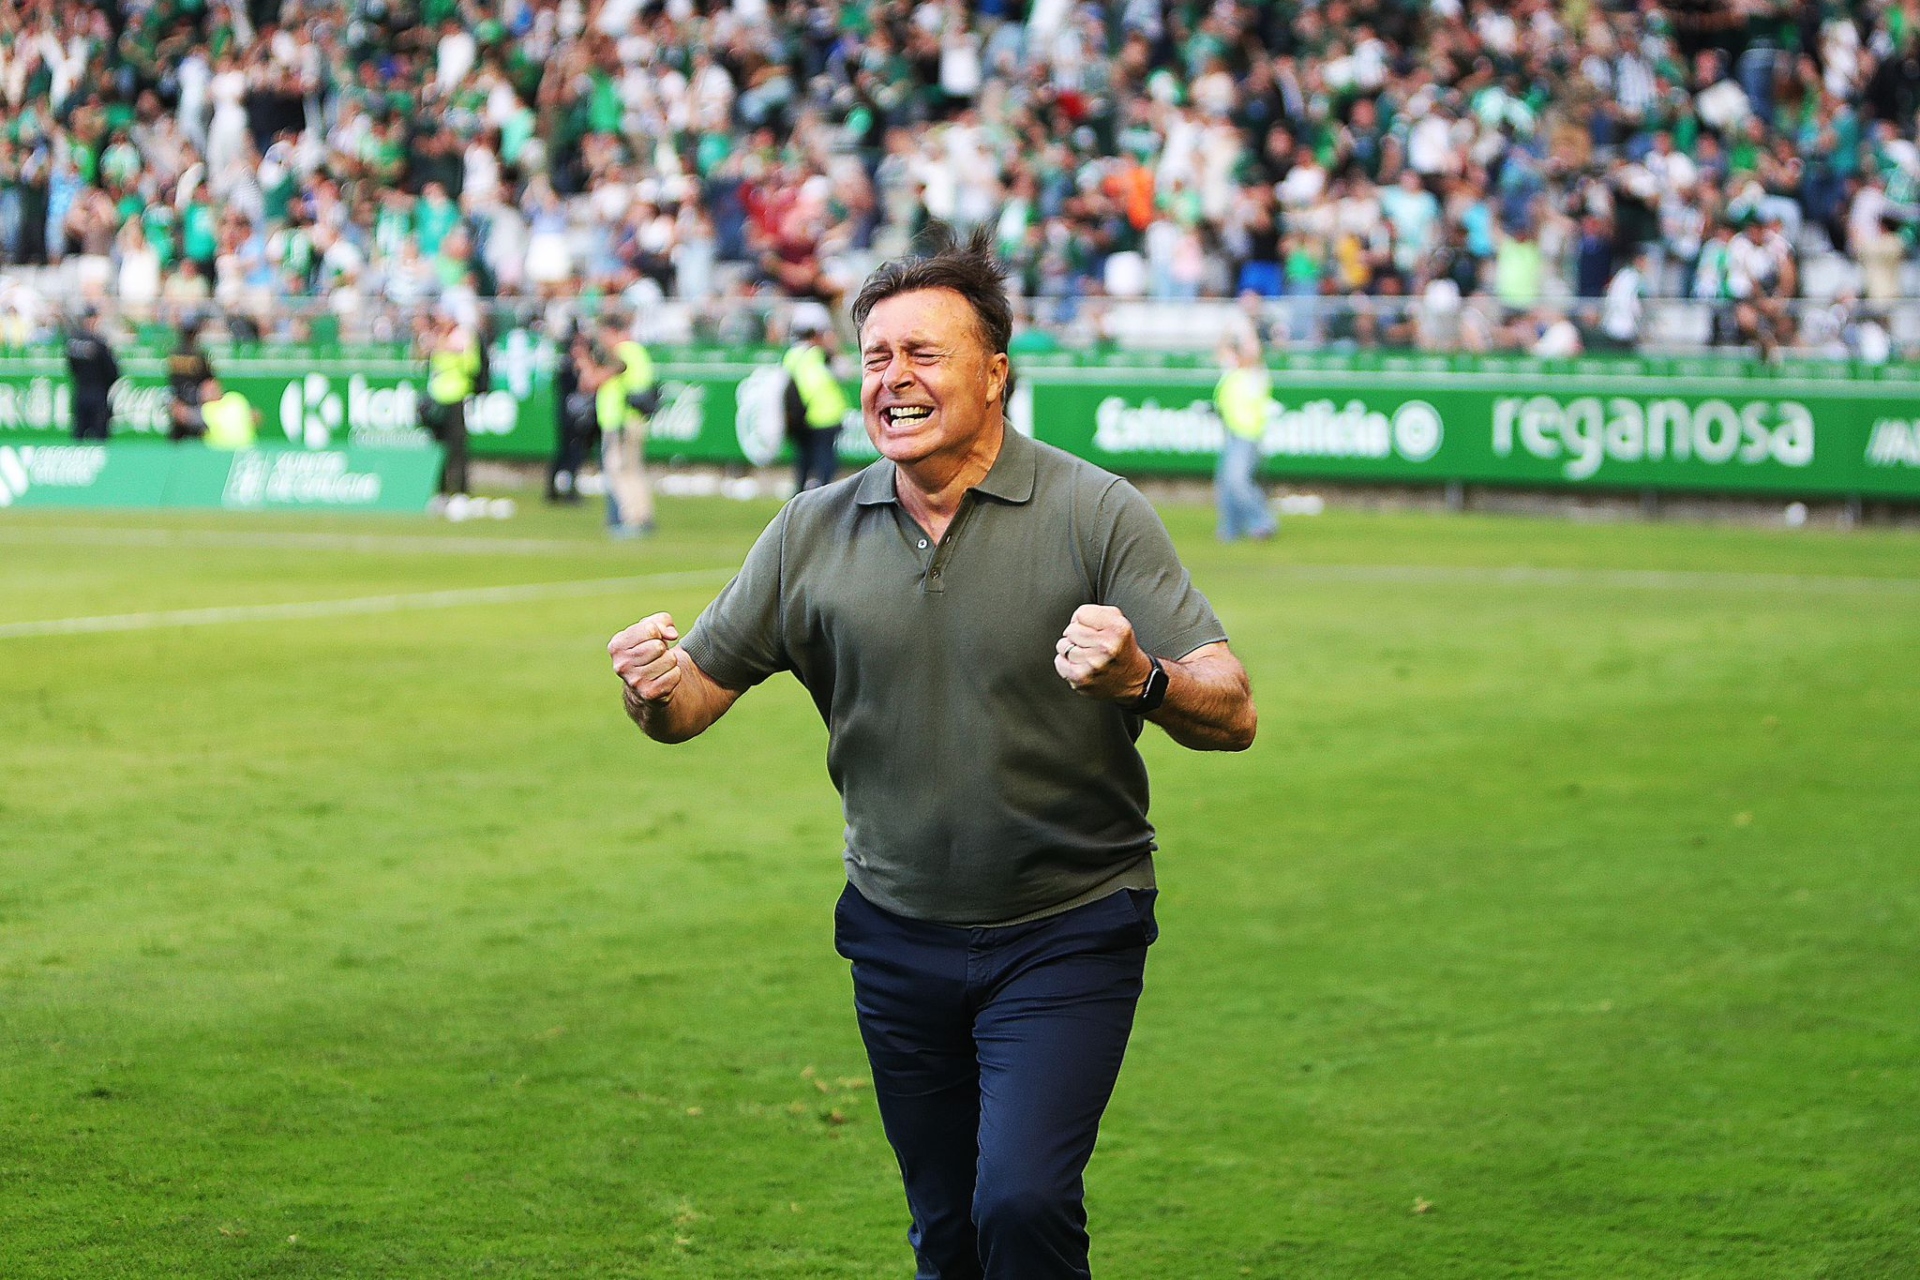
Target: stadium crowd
1471,174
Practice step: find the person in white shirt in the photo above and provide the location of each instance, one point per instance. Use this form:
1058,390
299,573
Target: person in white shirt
1558,339
1430,151
139,273
454,57
1620,312
1672,169
1761,277
1721,103
1304,184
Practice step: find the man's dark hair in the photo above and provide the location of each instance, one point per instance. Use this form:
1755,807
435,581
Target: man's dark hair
969,269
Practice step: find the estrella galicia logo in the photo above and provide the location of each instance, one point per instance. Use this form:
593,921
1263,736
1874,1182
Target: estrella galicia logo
1417,431
759,414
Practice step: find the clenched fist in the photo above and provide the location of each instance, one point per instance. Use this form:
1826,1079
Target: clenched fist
645,656
1099,657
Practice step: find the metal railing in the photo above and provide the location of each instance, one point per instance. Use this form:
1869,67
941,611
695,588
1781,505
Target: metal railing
32,313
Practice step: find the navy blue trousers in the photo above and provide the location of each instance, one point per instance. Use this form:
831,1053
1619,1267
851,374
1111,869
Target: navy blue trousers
994,1053
816,457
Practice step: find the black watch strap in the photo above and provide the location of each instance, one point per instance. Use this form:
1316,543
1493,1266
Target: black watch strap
1156,691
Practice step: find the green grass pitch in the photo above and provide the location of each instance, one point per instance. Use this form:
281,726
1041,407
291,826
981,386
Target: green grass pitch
1563,921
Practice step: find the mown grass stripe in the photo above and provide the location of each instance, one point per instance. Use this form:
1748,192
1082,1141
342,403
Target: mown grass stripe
301,610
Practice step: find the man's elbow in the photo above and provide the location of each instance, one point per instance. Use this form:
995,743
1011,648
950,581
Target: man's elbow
1231,722
667,734
658,724
1240,732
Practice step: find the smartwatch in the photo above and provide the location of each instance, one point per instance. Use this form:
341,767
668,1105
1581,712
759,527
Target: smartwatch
1154,694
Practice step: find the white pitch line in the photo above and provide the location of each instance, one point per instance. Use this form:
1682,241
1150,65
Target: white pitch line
377,543
305,609
260,539
1417,575
1633,579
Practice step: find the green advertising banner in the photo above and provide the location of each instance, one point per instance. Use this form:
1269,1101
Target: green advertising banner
139,474
1575,424
308,398
1713,424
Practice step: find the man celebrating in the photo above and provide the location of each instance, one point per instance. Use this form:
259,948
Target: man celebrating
984,623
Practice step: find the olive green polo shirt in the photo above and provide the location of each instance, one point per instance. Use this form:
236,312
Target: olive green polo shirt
979,788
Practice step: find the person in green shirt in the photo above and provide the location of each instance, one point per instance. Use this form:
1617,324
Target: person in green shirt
986,624
1517,267
200,230
433,218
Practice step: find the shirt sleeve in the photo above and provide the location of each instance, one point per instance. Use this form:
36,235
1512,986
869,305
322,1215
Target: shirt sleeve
1140,574
737,639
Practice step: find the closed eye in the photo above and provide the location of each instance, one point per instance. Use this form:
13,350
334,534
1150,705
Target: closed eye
918,355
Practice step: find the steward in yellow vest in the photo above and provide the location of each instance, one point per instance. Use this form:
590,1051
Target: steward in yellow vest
1244,397
229,418
625,396
816,406
453,372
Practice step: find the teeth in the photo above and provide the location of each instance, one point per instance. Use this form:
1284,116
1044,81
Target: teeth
909,413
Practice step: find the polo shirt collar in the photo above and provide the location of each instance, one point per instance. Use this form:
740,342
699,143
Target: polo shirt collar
876,485
1010,479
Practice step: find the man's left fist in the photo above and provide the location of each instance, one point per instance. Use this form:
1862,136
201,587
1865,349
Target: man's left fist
1099,657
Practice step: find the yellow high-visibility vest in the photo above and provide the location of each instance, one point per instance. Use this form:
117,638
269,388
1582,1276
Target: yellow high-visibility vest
451,375
1244,397
229,422
819,390
610,406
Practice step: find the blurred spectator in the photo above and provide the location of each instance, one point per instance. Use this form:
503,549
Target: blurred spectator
1558,338
1620,314
188,373
552,149
91,364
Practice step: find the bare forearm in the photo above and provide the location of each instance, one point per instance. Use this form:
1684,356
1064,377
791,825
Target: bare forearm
1209,701
1209,704
665,691
690,712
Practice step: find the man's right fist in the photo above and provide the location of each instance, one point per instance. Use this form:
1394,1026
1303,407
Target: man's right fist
646,659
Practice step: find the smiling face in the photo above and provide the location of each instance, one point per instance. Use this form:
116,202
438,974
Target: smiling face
930,386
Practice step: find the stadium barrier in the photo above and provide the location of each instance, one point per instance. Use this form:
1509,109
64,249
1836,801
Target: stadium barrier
1700,424
140,474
